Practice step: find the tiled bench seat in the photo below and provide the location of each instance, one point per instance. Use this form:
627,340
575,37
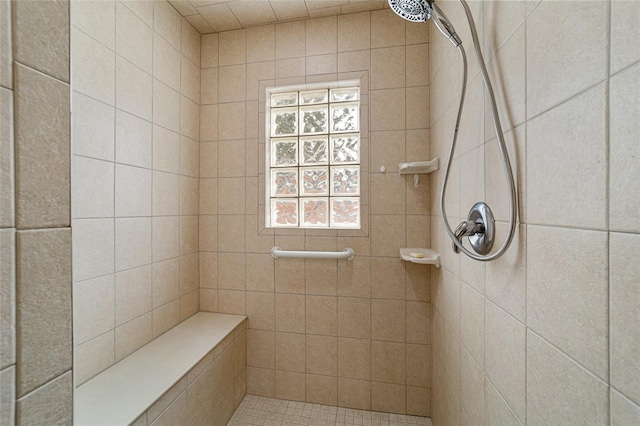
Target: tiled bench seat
193,374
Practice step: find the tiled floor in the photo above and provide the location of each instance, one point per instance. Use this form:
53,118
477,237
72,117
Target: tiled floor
256,410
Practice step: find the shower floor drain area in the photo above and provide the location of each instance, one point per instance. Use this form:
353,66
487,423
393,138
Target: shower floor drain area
257,410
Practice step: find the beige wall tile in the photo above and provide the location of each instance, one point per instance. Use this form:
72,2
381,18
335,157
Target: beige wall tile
354,317
167,23
623,411
419,365
189,270
584,54
133,335
551,156
231,302
385,240
231,271
290,385
388,320
261,310
41,37
8,302
418,401
261,348
166,62
93,356
190,43
388,362
387,29
208,196
190,80
94,68
134,39
133,140
166,150
353,393
321,389
188,234
189,195
132,191
165,237
6,72
42,150
290,41
208,233
92,128
165,317
387,278
232,47
387,397
261,43
229,128
321,315
92,188
260,272
93,242
577,326
624,289
132,242
505,346
418,322
624,202
321,277
7,175
623,33
165,282
93,308
189,117
321,36
231,233
496,409
209,50
322,355
261,381
387,109
166,194
43,275
354,32
142,9
133,89
132,294
52,402
166,112
388,67
290,352
97,19
559,390
354,358
7,395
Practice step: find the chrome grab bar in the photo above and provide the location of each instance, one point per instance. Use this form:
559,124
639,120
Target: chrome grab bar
346,254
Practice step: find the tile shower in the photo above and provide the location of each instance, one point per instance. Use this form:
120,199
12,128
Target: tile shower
167,172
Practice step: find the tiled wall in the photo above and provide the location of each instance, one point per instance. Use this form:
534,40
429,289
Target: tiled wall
210,392
35,233
352,333
135,114
548,334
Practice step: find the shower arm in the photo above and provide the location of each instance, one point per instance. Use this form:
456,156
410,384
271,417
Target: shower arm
447,29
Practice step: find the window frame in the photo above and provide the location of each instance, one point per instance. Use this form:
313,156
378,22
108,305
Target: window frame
269,91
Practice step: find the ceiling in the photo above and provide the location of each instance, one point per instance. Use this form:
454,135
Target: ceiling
209,16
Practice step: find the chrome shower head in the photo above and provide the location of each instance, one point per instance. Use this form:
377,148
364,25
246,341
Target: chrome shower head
412,10
421,11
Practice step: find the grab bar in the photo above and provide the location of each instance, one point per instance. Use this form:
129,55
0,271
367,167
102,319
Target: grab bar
346,254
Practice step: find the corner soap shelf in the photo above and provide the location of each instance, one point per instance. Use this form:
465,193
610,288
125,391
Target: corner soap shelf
418,167
431,257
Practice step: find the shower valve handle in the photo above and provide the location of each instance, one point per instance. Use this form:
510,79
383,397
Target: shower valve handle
466,229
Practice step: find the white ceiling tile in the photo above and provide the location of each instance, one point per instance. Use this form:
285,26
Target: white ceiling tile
220,17
252,13
287,10
184,7
199,23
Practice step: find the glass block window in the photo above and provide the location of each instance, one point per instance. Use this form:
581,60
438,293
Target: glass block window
313,158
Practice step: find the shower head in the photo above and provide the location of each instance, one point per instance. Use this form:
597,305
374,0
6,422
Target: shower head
412,10
421,11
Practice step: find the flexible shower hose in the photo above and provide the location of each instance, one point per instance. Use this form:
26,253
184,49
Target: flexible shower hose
513,206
